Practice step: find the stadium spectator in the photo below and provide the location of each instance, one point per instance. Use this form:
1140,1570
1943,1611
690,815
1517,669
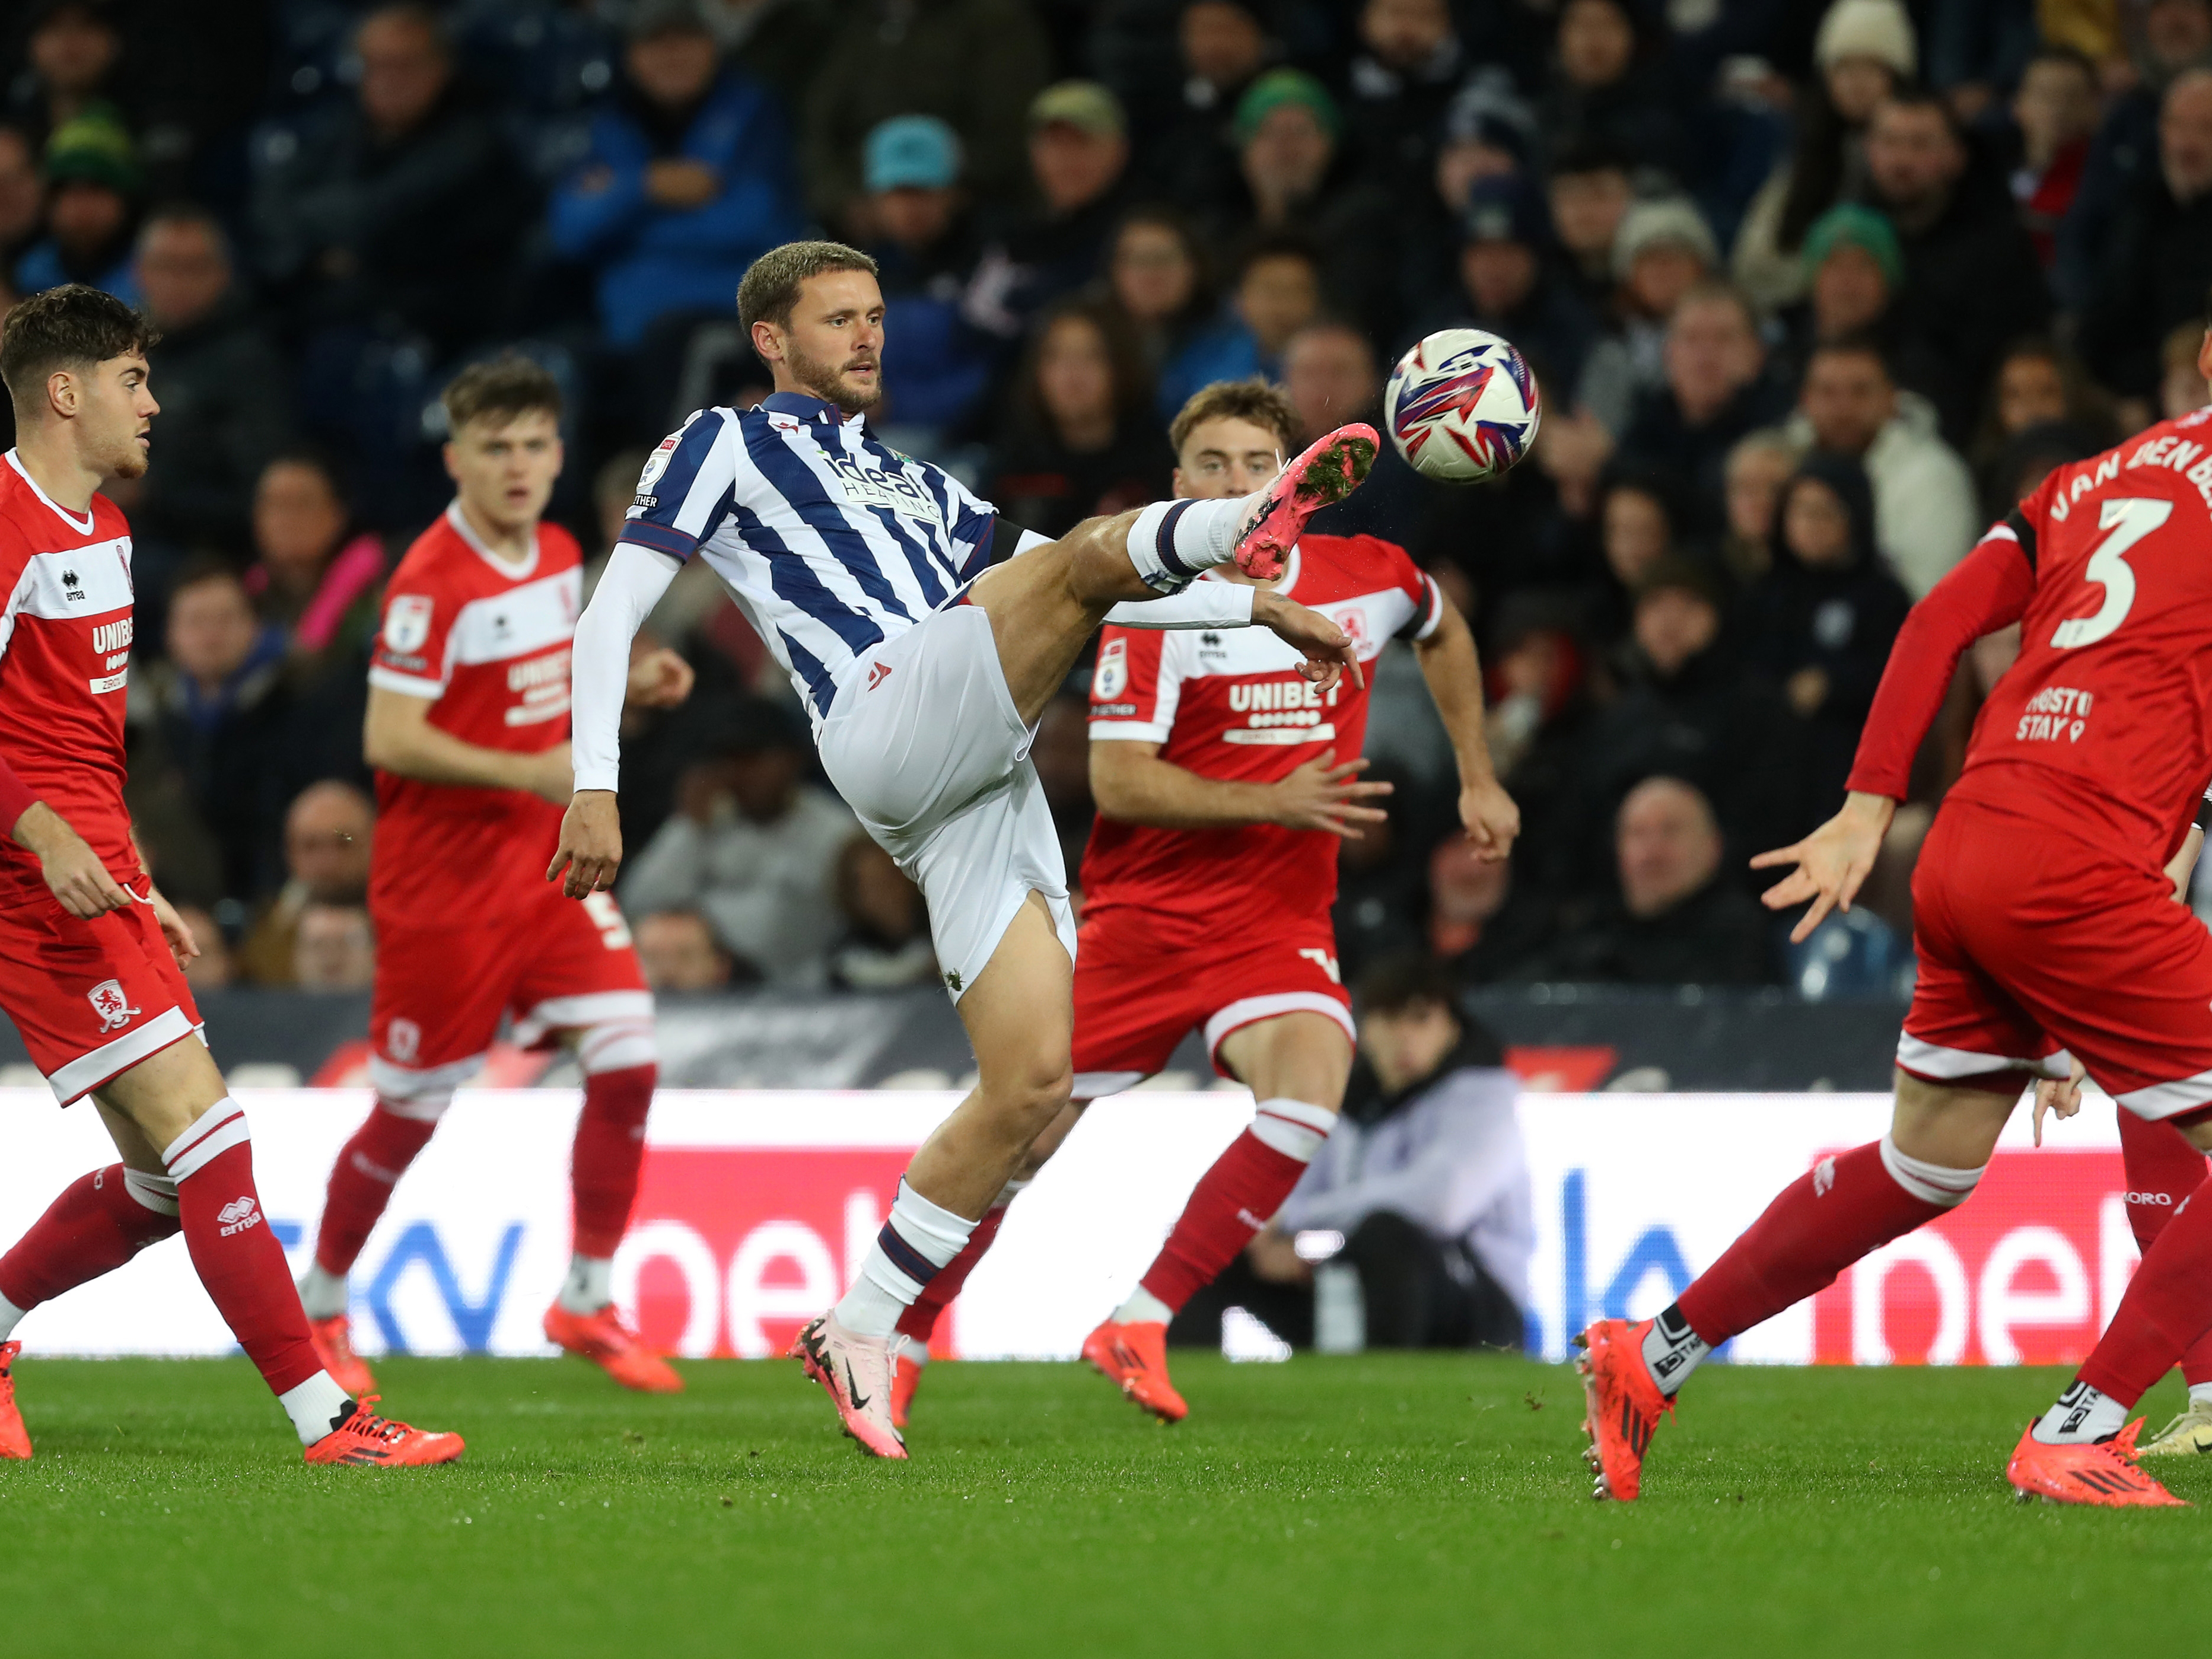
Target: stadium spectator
1483,924
329,834
2181,386
1083,441
1078,150
1332,379
333,950
1660,252
1752,485
974,64
678,951
753,848
22,196
2054,114
212,969
1818,626
1185,139
1600,90
1399,88
222,387
1926,515
403,207
93,181
1864,49
313,574
1678,920
1156,279
1382,890
1716,390
1278,292
1643,517
1425,1179
71,56
2039,383
1501,284
885,944
1590,194
2152,277
1972,281
1488,132
688,178
926,247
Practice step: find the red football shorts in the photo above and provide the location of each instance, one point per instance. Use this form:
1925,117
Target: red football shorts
1134,1003
90,999
558,965
2034,943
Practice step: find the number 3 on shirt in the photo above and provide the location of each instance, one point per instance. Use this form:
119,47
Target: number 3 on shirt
2130,520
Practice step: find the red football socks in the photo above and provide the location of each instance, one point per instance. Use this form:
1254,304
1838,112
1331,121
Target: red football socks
99,1222
238,1259
609,1150
1237,1197
367,1169
2164,1311
2162,1170
919,1322
1845,1207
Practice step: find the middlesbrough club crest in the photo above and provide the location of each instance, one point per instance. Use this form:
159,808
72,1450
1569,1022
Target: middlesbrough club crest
114,1008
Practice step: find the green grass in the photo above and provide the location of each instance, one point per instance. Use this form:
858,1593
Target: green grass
1387,1503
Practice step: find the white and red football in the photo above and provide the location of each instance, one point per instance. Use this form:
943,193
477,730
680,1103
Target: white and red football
1461,406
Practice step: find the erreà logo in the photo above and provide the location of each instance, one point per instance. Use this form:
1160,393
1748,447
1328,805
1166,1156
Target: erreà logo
241,1214
878,673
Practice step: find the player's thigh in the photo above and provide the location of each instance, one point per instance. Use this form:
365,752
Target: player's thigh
1296,1056
1044,605
1133,1007
1281,1019
985,863
132,1143
1951,1126
437,1000
1020,1011
164,1094
581,973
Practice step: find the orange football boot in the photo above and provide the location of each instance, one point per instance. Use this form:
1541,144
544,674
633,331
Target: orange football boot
613,1347
15,1438
906,1377
333,1340
2102,1473
1622,1406
383,1442
1134,1357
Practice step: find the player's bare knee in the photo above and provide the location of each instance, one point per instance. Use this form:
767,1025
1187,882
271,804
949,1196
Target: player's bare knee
2199,1134
1947,1124
1032,1093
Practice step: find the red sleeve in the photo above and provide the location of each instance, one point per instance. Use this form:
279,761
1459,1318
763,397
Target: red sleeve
1126,687
1987,590
413,642
1423,596
16,797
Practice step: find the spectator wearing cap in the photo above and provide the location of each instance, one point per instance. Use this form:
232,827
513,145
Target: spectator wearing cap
687,178
92,185
1717,389
753,848
1662,251
1864,49
2054,115
1487,134
1598,90
1589,192
1079,149
1400,86
1973,280
1925,516
927,249
1502,283
2152,275
1857,268
403,206
1818,627
977,65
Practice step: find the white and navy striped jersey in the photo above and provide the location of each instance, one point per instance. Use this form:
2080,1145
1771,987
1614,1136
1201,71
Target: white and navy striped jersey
830,540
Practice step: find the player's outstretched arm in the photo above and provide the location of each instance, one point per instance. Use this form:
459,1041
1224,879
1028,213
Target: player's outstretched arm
74,876
396,737
1829,866
1453,673
1132,784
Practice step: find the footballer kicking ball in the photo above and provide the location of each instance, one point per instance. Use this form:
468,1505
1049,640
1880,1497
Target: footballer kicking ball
1461,406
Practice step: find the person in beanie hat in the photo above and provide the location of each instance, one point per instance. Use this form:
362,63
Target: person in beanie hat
1662,251
93,182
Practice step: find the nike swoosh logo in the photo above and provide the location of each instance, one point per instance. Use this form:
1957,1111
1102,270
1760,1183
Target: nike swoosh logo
853,1389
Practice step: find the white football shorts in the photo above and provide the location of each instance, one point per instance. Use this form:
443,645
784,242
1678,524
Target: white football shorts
924,743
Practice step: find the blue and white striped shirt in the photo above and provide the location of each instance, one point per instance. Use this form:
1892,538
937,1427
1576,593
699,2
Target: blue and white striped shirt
830,541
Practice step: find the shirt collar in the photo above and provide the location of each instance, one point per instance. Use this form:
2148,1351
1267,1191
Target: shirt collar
801,406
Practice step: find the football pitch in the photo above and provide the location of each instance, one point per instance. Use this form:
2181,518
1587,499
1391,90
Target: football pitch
1403,1504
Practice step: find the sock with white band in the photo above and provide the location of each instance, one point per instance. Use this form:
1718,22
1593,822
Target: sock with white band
918,1239
323,1293
1672,1350
316,1406
2082,1415
1295,1128
2200,1394
10,1316
158,1192
1931,1183
589,1285
1143,1308
1172,541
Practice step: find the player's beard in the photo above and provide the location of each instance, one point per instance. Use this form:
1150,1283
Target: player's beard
828,384
127,460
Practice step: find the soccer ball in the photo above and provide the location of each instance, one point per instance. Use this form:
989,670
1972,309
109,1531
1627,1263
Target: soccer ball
1461,406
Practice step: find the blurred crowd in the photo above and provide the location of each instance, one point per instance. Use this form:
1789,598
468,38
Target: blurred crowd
1813,291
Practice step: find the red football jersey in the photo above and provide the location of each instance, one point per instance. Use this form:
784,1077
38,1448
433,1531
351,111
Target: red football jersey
2103,724
1230,704
488,642
64,656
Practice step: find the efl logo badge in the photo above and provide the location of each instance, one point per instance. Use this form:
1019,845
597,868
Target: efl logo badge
114,1008
1112,676
241,1214
407,624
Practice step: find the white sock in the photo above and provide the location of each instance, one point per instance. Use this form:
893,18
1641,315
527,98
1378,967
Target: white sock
1295,1128
2200,1394
314,1407
1672,1350
1143,1308
918,1239
323,1295
589,1285
10,1315
2082,1414
1172,541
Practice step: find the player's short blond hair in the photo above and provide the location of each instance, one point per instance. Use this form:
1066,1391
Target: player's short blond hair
506,387
1254,400
769,287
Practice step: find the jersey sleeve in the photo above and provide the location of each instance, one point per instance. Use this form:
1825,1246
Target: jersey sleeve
688,486
971,525
1135,688
414,650
1424,600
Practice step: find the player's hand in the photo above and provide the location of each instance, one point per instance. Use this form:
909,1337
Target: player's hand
2060,1099
1831,863
1492,820
660,679
681,184
1327,649
74,876
1322,795
1274,1256
591,848
174,928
